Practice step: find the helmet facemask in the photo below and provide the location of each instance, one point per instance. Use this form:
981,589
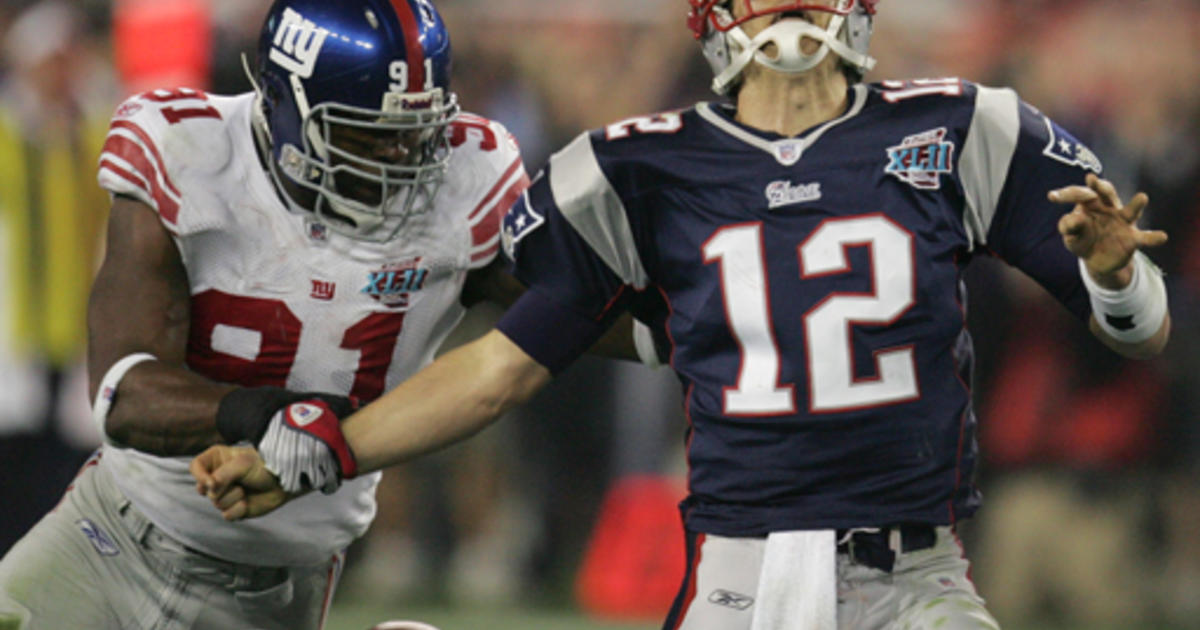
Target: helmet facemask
729,49
373,169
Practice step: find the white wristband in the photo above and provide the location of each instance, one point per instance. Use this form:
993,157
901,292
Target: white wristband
1132,314
107,391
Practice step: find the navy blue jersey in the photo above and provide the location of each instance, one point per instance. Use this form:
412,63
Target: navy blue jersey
810,287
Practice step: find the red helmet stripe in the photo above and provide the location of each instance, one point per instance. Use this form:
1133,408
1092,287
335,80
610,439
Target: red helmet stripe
412,44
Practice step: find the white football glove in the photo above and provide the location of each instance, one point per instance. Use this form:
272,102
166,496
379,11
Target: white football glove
304,447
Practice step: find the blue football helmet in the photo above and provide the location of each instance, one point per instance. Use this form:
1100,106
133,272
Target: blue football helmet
354,101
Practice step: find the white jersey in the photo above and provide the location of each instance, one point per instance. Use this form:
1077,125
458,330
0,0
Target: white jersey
279,299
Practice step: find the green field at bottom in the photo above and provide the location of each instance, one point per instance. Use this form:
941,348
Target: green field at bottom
362,617
357,616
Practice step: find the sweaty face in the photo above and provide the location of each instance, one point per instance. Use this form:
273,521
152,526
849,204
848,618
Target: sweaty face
372,151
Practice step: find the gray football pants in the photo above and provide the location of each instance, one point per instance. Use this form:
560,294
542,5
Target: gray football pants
96,562
927,590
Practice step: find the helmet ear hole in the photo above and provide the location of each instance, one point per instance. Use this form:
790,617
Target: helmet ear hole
270,99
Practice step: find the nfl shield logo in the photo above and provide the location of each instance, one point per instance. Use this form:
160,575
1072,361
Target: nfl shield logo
788,152
318,232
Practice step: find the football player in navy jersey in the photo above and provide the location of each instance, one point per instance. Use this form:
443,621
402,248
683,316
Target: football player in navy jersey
798,256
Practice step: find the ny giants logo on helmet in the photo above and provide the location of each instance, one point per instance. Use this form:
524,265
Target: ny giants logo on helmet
297,44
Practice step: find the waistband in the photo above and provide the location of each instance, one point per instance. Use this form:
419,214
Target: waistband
196,564
878,547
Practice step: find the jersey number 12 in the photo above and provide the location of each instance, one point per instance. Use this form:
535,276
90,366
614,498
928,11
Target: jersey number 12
832,386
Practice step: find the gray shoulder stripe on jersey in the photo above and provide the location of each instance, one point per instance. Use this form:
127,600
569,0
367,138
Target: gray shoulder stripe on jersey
715,119
986,157
592,207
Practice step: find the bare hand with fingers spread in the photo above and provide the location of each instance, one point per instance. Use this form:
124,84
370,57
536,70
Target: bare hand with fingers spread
237,481
1102,232
1126,291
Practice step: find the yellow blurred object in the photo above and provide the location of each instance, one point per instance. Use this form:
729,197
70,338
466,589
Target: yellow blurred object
54,211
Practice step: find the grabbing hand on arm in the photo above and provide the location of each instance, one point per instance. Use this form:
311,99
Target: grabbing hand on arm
1127,294
453,398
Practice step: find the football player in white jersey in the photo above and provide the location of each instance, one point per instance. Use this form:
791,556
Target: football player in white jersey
302,247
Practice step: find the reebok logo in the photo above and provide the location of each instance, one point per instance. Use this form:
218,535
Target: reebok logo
100,540
729,599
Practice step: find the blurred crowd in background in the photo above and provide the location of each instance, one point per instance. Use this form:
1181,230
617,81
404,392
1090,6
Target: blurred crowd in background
1091,464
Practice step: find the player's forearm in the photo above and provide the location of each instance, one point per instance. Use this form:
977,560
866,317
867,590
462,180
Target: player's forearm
140,305
455,397
165,410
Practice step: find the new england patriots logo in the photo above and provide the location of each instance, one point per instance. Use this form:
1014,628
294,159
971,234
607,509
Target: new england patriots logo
520,220
1066,149
921,159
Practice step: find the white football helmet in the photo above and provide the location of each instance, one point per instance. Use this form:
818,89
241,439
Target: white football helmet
728,49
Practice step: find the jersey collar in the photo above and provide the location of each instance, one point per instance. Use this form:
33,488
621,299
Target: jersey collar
786,151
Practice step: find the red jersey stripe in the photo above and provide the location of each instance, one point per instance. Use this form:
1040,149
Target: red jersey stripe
147,174
489,228
508,172
151,148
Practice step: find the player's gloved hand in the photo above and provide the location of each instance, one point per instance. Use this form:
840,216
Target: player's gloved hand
244,413
304,446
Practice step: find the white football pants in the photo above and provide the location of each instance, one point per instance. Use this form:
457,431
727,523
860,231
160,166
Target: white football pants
95,562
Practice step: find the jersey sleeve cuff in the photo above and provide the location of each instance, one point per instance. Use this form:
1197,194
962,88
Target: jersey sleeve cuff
550,332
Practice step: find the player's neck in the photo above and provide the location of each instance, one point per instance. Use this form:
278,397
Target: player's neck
790,104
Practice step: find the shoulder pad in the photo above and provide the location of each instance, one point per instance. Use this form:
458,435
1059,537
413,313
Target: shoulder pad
156,140
490,176
923,89
660,123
